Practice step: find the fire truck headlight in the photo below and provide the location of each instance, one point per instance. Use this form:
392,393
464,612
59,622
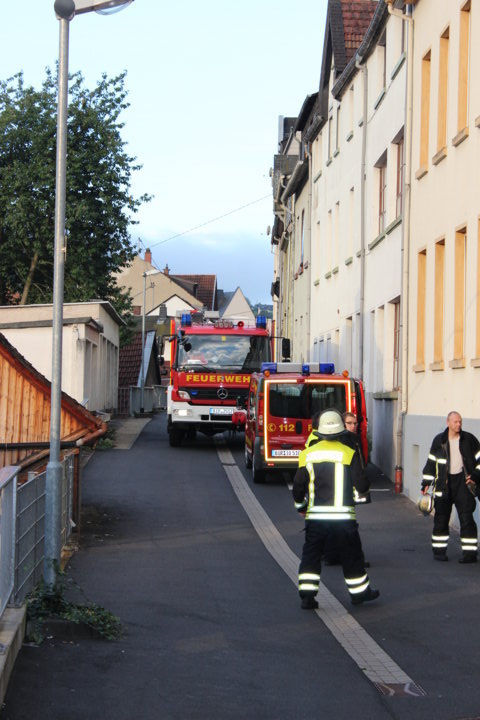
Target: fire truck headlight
183,412
183,395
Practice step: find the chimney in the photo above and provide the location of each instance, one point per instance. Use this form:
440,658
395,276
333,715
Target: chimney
148,256
166,270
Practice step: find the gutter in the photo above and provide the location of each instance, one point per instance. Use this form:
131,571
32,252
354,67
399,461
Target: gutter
359,63
405,250
64,444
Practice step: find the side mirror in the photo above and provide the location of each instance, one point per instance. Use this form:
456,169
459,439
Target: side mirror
161,360
285,349
187,346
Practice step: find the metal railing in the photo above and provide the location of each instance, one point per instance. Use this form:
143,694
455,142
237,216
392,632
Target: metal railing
30,535
22,529
8,498
129,399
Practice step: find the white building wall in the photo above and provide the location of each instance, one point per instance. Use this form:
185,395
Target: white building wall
445,198
353,324
89,350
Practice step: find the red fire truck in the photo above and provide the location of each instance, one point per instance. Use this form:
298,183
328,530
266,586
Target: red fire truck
212,360
282,399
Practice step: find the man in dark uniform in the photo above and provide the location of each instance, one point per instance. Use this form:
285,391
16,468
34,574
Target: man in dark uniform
453,468
323,492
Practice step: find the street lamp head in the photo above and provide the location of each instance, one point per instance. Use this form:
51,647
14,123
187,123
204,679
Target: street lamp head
100,6
64,9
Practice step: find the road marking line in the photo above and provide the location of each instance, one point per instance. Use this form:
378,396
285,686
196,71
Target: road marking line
374,662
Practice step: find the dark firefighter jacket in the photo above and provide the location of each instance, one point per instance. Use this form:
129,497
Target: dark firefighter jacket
437,466
323,487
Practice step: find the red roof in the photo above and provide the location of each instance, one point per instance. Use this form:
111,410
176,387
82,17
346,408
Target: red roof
130,359
206,290
357,15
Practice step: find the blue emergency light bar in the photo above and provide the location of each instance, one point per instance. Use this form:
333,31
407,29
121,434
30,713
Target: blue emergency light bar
299,368
261,322
186,319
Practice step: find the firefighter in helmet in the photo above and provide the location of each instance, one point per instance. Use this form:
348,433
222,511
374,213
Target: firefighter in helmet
328,470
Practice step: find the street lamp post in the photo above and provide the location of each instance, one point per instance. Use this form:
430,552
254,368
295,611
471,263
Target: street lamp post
142,372
65,11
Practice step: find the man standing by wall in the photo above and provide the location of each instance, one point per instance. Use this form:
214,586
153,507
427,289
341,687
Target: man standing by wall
453,468
323,492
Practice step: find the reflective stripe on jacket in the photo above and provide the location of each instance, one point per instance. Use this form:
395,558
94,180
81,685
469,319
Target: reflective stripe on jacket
437,467
323,483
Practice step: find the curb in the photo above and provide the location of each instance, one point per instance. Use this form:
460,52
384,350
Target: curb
12,632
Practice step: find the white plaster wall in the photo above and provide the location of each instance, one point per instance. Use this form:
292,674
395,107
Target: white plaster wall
443,200
89,357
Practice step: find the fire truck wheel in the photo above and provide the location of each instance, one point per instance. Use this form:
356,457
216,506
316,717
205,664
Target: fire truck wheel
257,474
175,437
248,459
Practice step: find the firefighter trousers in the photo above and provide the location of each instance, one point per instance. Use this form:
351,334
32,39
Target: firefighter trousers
344,534
458,495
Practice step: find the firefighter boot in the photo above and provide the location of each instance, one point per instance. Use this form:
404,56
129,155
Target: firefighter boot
440,555
309,602
468,557
365,596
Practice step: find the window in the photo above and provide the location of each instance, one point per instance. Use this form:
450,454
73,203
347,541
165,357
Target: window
351,108
403,46
477,339
330,131
399,179
382,62
337,130
439,309
464,50
425,115
442,92
351,222
381,166
459,303
329,240
302,237
335,253
421,297
396,344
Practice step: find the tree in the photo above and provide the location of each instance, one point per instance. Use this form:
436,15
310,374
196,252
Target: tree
99,204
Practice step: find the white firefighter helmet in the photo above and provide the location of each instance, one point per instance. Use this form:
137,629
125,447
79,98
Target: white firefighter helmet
425,503
330,424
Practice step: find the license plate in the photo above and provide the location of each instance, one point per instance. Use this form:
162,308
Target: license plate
222,411
285,453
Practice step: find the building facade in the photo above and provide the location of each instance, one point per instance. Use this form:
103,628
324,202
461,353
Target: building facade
443,352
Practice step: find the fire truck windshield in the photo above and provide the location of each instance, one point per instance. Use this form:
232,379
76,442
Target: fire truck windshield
212,352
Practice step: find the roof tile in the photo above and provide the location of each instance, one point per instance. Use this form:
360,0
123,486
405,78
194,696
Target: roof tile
357,15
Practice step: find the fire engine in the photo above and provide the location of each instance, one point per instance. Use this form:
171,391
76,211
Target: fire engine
212,360
282,399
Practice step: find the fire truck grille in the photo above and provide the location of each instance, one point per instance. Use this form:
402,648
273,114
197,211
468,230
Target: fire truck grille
210,394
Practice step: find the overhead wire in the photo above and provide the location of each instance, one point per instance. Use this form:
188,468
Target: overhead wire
208,222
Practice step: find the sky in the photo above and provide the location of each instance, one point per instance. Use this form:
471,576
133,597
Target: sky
207,82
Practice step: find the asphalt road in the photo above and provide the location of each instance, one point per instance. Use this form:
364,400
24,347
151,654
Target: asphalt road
176,542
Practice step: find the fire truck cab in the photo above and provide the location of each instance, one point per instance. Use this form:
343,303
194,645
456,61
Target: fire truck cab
282,399
212,360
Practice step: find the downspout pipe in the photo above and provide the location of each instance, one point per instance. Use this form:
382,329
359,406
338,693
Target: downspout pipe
64,444
309,235
359,64
405,249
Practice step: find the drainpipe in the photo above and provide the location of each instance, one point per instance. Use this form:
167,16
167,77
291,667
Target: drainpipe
405,251
309,290
360,66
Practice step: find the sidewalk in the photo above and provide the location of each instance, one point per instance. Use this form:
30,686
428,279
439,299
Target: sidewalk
13,622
